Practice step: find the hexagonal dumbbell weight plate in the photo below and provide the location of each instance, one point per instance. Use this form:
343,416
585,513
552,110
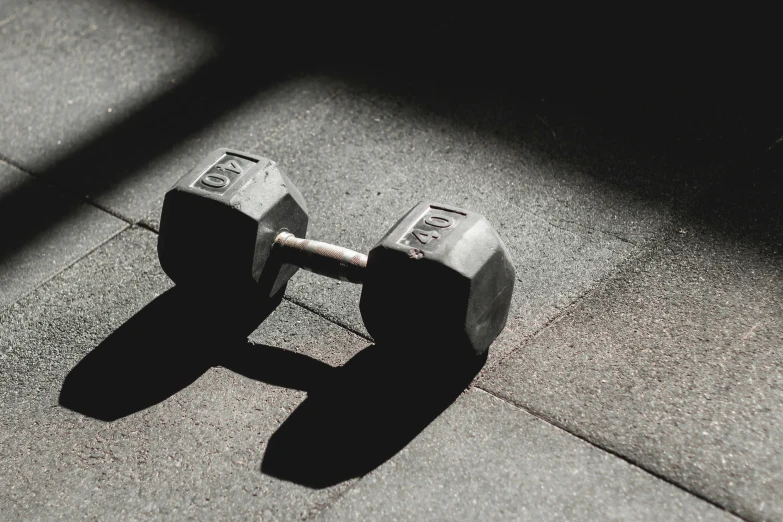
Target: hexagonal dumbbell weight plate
219,224
441,276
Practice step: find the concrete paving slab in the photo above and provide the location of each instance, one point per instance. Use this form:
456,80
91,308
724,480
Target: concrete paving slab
182,436
44,232
487,460
149,94
675,364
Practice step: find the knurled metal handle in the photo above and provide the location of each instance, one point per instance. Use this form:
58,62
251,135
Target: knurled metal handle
322,258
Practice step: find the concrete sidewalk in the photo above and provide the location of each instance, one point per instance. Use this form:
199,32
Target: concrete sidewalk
640,375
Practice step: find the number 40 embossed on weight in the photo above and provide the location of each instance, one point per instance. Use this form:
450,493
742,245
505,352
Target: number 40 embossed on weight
425,237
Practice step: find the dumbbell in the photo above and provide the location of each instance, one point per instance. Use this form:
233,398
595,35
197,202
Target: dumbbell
440,275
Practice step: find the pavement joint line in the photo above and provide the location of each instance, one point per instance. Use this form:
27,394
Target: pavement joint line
326,505
612,452
146,226
69,265
287,298
606,232
323,506
110,211
330,319
114,213
643,248
576,225
11,163
52,185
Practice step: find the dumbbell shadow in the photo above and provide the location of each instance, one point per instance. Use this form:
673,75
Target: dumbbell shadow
365,412
354,418
159,351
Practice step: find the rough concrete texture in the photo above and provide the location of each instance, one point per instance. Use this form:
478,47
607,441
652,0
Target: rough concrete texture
144,95
43,232
674,364
10,10
486,460
118,56
191,434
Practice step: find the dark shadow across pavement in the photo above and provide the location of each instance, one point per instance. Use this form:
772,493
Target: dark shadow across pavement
355,417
